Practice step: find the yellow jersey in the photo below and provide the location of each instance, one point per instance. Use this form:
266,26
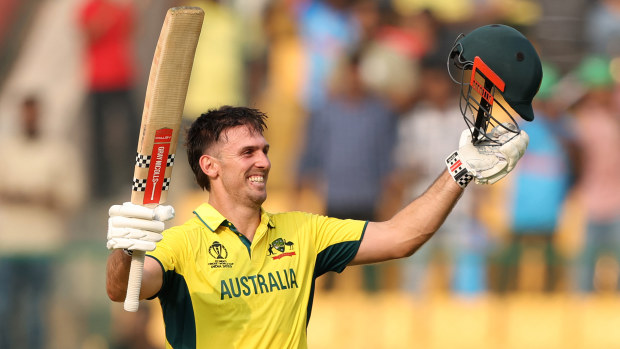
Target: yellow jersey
222,291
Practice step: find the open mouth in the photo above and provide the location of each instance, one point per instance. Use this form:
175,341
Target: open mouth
257,179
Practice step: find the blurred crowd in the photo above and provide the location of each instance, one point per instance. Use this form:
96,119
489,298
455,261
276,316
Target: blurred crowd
362,113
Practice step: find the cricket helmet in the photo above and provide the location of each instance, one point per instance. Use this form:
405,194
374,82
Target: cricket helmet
500,73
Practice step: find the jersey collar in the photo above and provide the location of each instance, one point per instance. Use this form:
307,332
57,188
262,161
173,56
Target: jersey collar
212,219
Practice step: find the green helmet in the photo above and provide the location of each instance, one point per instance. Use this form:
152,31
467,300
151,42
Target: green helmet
509,65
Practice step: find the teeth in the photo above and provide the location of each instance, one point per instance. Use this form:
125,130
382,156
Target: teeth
257,179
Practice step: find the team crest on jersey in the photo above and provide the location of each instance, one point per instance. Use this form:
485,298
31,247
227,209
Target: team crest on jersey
219,254
279,247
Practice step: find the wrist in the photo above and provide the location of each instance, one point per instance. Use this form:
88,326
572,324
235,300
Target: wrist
458,171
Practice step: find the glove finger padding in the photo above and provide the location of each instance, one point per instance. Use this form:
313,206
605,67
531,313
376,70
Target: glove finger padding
514,149
136,223
465,138
127,209
131,244
488,162
136,227
136,234
481,161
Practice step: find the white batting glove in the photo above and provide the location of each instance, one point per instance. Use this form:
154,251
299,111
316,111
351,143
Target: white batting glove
487,162
135,227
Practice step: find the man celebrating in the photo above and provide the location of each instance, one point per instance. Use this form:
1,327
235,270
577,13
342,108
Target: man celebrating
236,276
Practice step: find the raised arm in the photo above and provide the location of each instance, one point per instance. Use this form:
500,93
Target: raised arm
410,228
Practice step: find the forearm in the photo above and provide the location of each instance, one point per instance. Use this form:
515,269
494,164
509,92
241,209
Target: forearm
410,228
117,274
419,220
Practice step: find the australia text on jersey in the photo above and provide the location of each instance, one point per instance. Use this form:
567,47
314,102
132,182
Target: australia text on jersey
258,284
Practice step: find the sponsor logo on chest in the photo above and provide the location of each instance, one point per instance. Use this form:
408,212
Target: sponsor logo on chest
280,248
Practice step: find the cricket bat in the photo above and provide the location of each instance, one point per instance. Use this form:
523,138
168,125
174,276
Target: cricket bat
161,120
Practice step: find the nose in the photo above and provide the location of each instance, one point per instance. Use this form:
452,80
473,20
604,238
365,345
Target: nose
263,161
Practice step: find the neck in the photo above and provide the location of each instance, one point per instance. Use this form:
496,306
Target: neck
245,218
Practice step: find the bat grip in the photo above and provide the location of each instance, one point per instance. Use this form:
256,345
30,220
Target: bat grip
132,299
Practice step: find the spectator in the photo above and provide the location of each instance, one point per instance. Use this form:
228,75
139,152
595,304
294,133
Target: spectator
107,27
40,185
598,123
351,123
217,73
539,189
602,28
328,30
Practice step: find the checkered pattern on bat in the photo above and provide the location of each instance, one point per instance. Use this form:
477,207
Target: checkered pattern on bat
140,184
144,161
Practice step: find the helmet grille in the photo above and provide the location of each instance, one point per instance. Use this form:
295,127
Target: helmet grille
481,100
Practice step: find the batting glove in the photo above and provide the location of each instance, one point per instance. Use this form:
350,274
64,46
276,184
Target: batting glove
135,227
489,161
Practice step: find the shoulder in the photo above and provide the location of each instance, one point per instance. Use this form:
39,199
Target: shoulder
304,220
292,216
298,221
191,227
179,242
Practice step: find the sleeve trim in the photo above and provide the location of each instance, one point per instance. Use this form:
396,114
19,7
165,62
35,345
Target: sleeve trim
338,256
357,244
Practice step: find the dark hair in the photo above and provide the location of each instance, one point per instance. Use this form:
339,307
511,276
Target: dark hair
207,129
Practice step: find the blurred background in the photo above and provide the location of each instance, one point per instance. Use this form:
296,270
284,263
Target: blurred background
362,115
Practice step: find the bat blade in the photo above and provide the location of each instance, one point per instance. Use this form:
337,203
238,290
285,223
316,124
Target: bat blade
161,120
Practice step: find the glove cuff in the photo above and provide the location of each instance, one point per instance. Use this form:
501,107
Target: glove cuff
458,171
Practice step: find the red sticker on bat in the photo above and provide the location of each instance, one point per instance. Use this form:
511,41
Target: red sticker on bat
157,168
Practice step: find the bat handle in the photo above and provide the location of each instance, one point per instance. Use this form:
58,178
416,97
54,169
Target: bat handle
132,299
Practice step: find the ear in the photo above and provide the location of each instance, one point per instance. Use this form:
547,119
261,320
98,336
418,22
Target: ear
209,166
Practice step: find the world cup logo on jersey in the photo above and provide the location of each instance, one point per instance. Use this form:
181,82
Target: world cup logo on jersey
219,254
218,251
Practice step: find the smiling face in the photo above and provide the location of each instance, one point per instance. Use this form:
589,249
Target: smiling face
238,167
